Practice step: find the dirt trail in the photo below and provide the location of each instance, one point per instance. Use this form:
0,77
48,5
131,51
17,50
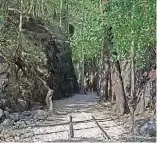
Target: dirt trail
81,107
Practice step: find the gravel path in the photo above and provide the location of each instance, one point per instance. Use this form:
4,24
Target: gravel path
81,107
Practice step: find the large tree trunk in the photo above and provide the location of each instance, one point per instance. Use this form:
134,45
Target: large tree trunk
118,89
110,82
105,71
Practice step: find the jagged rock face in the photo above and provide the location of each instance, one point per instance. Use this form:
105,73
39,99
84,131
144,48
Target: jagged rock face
4,100
62,77
3,75
59,63
60,74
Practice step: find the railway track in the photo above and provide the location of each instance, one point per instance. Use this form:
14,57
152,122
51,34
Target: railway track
72,131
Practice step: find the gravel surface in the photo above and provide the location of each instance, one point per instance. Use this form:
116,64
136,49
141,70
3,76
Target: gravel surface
81,107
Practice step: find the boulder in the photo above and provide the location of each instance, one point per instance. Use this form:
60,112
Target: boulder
28,122
15,116
148,129
2,116
40,115
20,125
22,105
8,109
1,128
26,115
4,103
37,106
1,113
7,122
7,115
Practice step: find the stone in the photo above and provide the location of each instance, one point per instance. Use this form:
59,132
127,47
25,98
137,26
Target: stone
26,115
7,122
1,128
20,125
40,115
1,113
15,116
37,106
2,116
28,122
148,129
7,115
1,103
23,105
7,109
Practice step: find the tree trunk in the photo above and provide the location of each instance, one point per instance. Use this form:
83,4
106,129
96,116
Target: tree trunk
105,71
61,5
82,75
19,49
110,81
42,7
121,103
133,100
82,50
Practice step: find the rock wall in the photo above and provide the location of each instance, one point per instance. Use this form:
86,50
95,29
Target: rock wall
27,75
59,63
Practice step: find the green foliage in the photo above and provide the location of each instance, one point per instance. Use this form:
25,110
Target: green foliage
132,21
92,31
